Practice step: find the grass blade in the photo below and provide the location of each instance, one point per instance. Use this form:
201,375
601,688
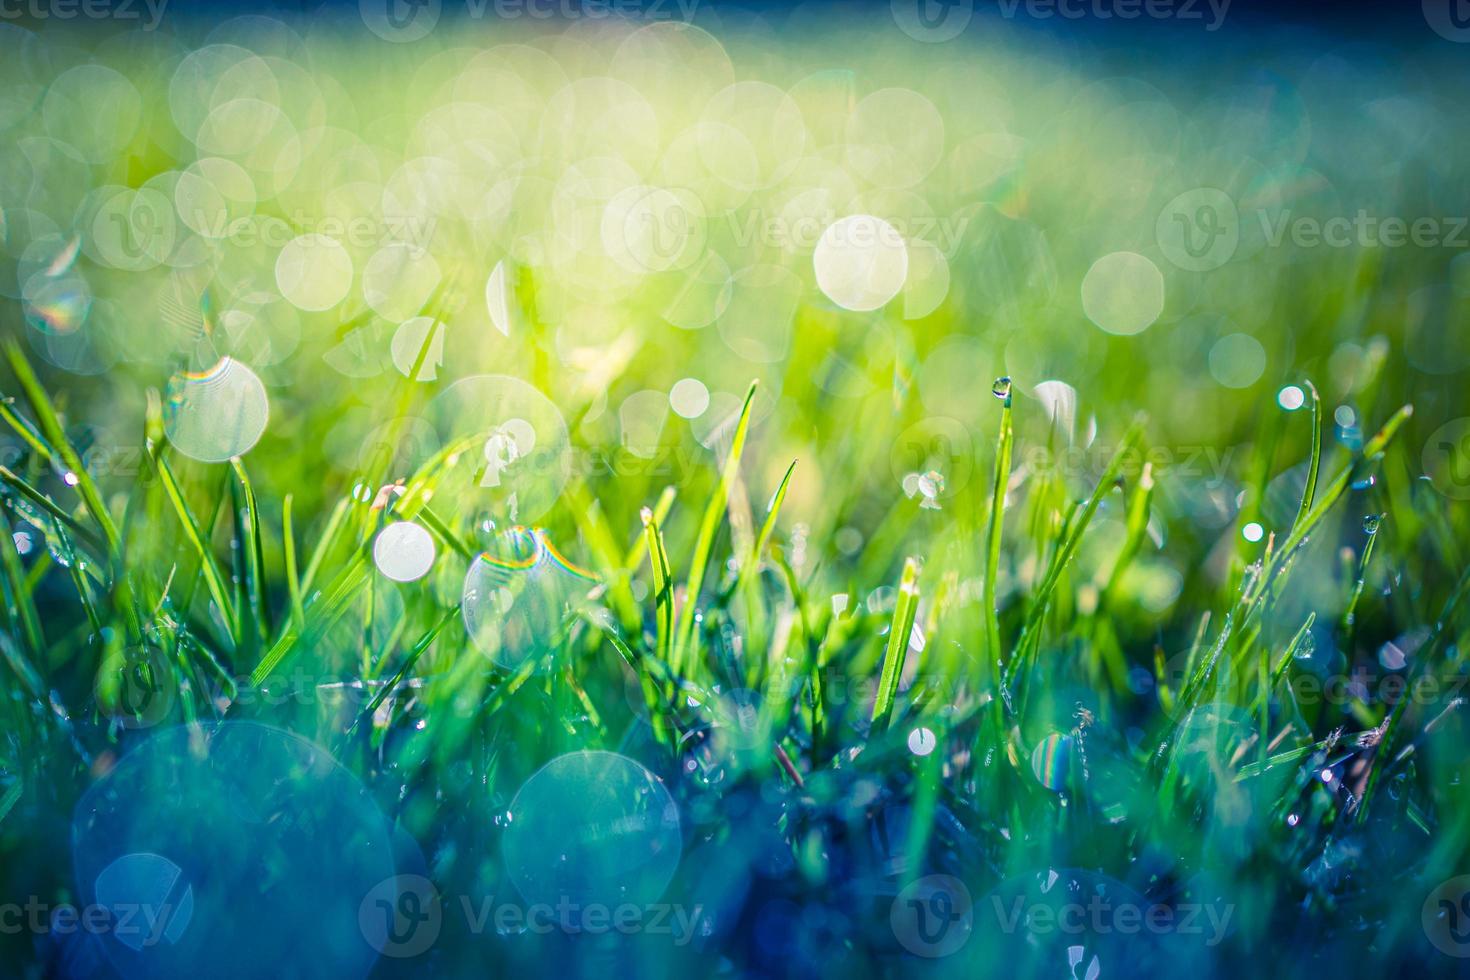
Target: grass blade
708,527
896,652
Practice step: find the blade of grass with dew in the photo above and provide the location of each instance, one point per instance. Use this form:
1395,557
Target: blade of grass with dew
213,579
54,510
1309,492
1077,526
51,428
323,546
20,605
74,564
247,533
663,587
321,613
639,548
417,651
896,652
994,522
1424,661
768,526
1330,496
708,527
293,581
1350,613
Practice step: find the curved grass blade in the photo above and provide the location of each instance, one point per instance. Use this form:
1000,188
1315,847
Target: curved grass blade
896,652
708,528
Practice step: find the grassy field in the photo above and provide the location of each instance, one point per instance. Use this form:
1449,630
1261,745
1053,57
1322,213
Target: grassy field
781,494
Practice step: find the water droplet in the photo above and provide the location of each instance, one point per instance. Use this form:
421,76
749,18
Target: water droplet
1050,761
1001,388
1371,523
921,741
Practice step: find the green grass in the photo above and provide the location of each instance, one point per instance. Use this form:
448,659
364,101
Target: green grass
194,562
841,672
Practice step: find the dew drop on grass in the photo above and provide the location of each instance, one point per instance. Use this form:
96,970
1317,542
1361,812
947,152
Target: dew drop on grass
921,741
1001,388
1372,522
